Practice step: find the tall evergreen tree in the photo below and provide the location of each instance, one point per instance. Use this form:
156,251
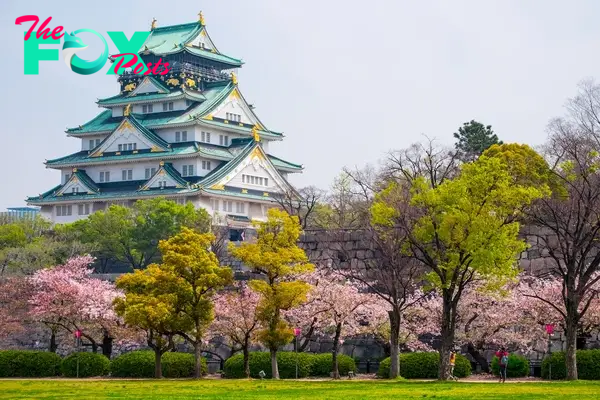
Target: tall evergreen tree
473,138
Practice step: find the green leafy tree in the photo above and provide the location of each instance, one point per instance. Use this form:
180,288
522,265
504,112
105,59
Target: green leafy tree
473,138
463,230
150,303
197,275
277,257
131,234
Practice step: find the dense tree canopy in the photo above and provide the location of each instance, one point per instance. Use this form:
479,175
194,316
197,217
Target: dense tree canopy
473,138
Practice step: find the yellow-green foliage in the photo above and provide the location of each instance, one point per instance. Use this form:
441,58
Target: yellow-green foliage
174,295
467,224
276,255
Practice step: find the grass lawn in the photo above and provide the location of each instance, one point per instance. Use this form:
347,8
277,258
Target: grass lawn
295,390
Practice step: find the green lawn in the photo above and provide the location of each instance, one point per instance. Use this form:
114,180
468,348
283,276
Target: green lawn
295,390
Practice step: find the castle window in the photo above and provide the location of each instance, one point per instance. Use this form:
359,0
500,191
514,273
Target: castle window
127,174
105,176
224,140
240,207
75,190
91,144
188,170
162,184
205,137
150,172
84,209
98,142
63,211
227,206
147,109
206,165
255,180
184,136
67,176
168,106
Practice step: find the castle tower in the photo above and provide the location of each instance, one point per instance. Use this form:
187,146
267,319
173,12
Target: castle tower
188,135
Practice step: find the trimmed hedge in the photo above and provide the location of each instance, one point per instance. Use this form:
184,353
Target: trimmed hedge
140,364
29,364
261,361
518,366
588,365
90,364
423,365
322,364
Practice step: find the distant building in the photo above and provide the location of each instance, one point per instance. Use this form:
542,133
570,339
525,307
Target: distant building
15,213
188,135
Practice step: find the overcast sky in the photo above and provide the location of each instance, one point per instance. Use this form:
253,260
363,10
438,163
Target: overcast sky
345,80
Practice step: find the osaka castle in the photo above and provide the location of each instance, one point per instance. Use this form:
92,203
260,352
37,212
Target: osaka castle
188,135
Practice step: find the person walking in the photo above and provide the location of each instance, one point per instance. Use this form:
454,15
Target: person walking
452,363
502,355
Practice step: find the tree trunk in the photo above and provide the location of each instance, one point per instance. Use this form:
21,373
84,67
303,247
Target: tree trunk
107,343
246,358
198,359
394,345
447,333
157,363
274,366
53,345
336,347
571,353
478,357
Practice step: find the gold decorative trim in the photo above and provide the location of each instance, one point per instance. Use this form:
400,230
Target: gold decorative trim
265,194
218,187
244,191
208,117
118,153
155,149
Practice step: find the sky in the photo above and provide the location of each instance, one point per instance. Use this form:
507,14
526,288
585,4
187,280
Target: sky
345,80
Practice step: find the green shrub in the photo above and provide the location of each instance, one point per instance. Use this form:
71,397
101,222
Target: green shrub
261,361
423,365
181,365
90,364
588,365
322,364
140,364
518,366
29,364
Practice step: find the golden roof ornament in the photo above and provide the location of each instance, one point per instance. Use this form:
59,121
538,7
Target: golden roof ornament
162,163
127,110
201,18
255,133
74,169
234,79
153,26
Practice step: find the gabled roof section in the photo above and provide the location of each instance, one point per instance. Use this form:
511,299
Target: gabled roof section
234,101
81,180
150,85
130,126
167,173
253,154
189,38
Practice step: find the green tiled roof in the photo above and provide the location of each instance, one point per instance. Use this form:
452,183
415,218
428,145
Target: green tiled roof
122,99
49,197
178,150
148,134
86,180
172,172
280,163
171,40
232,192
105,122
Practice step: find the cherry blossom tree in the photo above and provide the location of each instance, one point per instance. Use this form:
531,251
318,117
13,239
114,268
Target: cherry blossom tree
67,297
14,295
236,319
334,307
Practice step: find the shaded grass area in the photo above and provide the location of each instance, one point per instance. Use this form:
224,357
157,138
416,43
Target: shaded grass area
297,390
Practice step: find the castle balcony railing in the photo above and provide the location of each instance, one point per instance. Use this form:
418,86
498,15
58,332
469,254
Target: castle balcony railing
206,73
